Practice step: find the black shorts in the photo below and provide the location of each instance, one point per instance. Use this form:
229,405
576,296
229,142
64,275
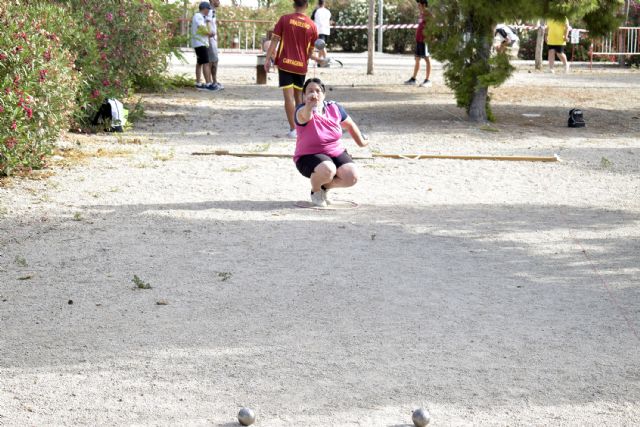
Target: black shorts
288,79
202,54
421,50
324,37
557,48
307,164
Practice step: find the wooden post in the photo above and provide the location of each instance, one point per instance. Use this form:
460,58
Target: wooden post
371,35
261,74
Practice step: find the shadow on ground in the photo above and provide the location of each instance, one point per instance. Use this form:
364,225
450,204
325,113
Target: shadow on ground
479,304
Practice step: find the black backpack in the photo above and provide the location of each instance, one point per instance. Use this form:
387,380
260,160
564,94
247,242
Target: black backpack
576,120
112,115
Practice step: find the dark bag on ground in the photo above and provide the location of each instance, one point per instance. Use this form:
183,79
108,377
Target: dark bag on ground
576,119
112,114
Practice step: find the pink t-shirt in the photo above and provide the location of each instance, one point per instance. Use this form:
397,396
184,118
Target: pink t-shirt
322,134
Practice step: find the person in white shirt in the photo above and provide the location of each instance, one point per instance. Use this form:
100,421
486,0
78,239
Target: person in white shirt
200,34
213,44
505,38
322,18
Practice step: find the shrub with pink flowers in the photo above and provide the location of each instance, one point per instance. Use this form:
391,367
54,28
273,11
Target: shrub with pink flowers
60,59
130,40
38,86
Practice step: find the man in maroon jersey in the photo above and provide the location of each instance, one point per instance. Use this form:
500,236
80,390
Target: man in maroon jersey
293,36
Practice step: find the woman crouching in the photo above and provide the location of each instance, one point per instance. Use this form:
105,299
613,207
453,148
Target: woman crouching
320,154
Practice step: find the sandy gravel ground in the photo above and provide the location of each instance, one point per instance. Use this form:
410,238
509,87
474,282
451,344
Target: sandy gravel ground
491,293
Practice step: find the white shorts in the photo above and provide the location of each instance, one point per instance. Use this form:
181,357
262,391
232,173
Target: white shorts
213,50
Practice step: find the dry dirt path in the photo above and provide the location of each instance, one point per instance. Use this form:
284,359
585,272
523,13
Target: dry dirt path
493,293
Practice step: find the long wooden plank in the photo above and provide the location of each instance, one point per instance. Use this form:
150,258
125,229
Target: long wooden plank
396,156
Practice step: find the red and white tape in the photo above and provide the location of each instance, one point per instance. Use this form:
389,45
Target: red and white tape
414,26
384,27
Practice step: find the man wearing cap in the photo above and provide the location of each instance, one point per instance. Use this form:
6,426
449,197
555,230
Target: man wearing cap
200,34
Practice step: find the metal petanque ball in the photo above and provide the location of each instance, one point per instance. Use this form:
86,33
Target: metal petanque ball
246,416
420,417
320,44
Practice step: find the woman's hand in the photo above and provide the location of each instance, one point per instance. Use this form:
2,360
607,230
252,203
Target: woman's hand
361,139
312,100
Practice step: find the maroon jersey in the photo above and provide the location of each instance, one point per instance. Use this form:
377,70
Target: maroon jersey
297,34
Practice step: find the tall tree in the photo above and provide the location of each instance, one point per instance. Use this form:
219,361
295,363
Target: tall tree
461,35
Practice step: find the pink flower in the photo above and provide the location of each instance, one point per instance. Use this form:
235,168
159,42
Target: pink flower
14,125
17,49
103,56
47,56
1,109
106,83
29,112
43,75
95,93
3,56
109,16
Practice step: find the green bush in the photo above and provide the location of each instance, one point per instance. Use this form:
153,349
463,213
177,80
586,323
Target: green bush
38,84
349,13
356,13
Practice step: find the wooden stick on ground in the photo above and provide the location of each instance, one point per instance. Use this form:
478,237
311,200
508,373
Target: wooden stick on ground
554,158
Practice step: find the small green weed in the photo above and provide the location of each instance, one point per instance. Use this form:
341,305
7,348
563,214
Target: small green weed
140,284
224,275
606,163
77,216
21,261
136,112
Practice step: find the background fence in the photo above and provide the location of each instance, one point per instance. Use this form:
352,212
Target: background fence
249,35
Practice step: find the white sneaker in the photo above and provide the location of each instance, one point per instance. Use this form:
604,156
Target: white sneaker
292,134
325,196
317,199
426,83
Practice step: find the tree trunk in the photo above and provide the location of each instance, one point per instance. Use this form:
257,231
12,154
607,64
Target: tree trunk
371,35
539,45
478,108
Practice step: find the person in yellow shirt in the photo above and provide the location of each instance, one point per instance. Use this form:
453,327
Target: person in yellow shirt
557,33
